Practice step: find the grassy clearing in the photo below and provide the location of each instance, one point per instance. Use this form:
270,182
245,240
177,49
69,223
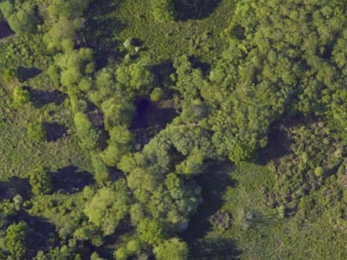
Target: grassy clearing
161,41
261,233
19,154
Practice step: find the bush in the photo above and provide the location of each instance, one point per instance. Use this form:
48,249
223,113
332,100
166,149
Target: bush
172,249
20,97
36,132
15,240
88,135
40,181
23,21
9,74
156,95
6,8
319,171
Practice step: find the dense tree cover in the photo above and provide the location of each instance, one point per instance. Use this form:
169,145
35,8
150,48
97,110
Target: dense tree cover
284,60
23,19
16,240
172,249
108,207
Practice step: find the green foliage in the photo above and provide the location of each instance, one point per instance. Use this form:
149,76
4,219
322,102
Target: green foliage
135,76
21,97
108,207
119,145
151,231
172,249
66,252
95,256
16,240
53,73
132,248
234,80
6,8
102,173
319,171
117,110
40,181
36,132
9,75
156,95
23,21
163,10
74,65
88,135
64,19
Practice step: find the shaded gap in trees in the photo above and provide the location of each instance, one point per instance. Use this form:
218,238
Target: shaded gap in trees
15,186
27,73
5,30
194,9
54,131
162,72
203,66
278,143
214,182
71,180
41,98
150,119
96,116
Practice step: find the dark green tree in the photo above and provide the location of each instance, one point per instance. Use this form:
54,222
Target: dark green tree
172,249
40,181
21,97
36,131
16,240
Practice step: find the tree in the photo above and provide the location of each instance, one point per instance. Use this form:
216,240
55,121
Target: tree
6,8
88,135
65,252
119,145
151,231
172,249
136,76
156,95
61,32
108,207
118,110
319,171
24,21
21,97
40,181
102,173
16,240
36,132
96,256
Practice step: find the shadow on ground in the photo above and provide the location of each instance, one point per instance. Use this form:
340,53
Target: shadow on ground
194,9
71,180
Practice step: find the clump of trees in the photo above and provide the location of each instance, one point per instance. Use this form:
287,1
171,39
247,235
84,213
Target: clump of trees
16,240
269,70
36,131
108,207
40,181
22,19
21,96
